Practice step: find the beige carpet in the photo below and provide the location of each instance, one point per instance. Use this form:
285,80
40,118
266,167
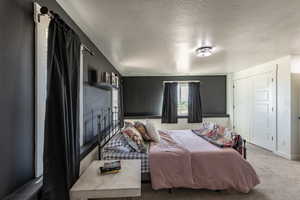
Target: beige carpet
280,180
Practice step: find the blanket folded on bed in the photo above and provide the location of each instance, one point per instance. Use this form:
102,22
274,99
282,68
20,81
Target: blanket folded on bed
215,138
183,160
220,136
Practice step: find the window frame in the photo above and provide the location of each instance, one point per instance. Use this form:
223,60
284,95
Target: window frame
41,27
179,96
115,99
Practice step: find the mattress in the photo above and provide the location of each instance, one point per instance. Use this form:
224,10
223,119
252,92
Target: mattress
118,149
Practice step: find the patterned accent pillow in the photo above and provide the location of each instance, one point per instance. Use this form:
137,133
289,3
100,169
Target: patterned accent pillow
208,125
220,130
143,131
134,139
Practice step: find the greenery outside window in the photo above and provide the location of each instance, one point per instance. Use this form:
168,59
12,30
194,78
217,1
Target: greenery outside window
183,95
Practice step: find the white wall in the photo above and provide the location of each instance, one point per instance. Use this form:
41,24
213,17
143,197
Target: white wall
288,91
284,108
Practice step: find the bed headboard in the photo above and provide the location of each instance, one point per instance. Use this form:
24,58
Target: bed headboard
108,125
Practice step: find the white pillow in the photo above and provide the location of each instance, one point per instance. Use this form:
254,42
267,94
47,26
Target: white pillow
152,131
208,125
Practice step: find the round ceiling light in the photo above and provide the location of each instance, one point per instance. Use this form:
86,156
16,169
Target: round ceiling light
204,51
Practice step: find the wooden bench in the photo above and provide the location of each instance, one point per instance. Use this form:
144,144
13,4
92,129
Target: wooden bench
125,184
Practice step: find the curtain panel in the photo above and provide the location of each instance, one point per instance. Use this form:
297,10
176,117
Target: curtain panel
194,103
170,99
61,149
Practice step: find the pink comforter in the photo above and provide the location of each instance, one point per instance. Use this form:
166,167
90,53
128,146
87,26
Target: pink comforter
185,160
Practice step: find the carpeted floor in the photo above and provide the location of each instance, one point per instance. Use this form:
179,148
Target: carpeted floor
280,180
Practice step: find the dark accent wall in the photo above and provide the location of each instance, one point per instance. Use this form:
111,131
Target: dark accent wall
17,94
17,88
143,95
95,100
98,62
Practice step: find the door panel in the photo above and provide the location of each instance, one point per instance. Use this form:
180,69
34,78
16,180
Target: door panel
264,125
255,109
242,107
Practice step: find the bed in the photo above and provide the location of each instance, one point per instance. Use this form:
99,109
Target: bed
194,159
111,151
183,159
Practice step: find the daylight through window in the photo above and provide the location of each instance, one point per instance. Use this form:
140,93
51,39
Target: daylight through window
183,95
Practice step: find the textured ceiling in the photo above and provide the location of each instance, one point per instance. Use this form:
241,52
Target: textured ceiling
158,37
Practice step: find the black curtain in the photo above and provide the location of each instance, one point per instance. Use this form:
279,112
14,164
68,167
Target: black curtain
61,148
169,109
121,103
194,103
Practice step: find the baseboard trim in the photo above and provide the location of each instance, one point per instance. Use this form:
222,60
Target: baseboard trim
295,157
284,155
288,156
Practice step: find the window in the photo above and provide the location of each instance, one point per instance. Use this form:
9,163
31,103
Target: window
41,37
183,95
41,41
115,106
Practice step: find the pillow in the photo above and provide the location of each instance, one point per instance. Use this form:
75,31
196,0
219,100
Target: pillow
117,143
208,125
152,131
128,124
142,129
119,149
134,139
220,130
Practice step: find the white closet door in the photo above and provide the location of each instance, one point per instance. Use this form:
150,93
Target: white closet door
264,113
242,107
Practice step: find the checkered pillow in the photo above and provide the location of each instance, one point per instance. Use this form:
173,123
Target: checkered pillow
119,141
116,142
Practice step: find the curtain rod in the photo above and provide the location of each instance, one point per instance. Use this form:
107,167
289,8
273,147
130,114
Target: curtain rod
88,50
191,81
45,11
181,81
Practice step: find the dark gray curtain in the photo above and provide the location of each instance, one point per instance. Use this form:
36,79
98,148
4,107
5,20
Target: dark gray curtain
169,109
121,102
61,148
194,103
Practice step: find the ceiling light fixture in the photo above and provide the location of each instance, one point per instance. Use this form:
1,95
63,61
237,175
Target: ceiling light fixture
204,51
